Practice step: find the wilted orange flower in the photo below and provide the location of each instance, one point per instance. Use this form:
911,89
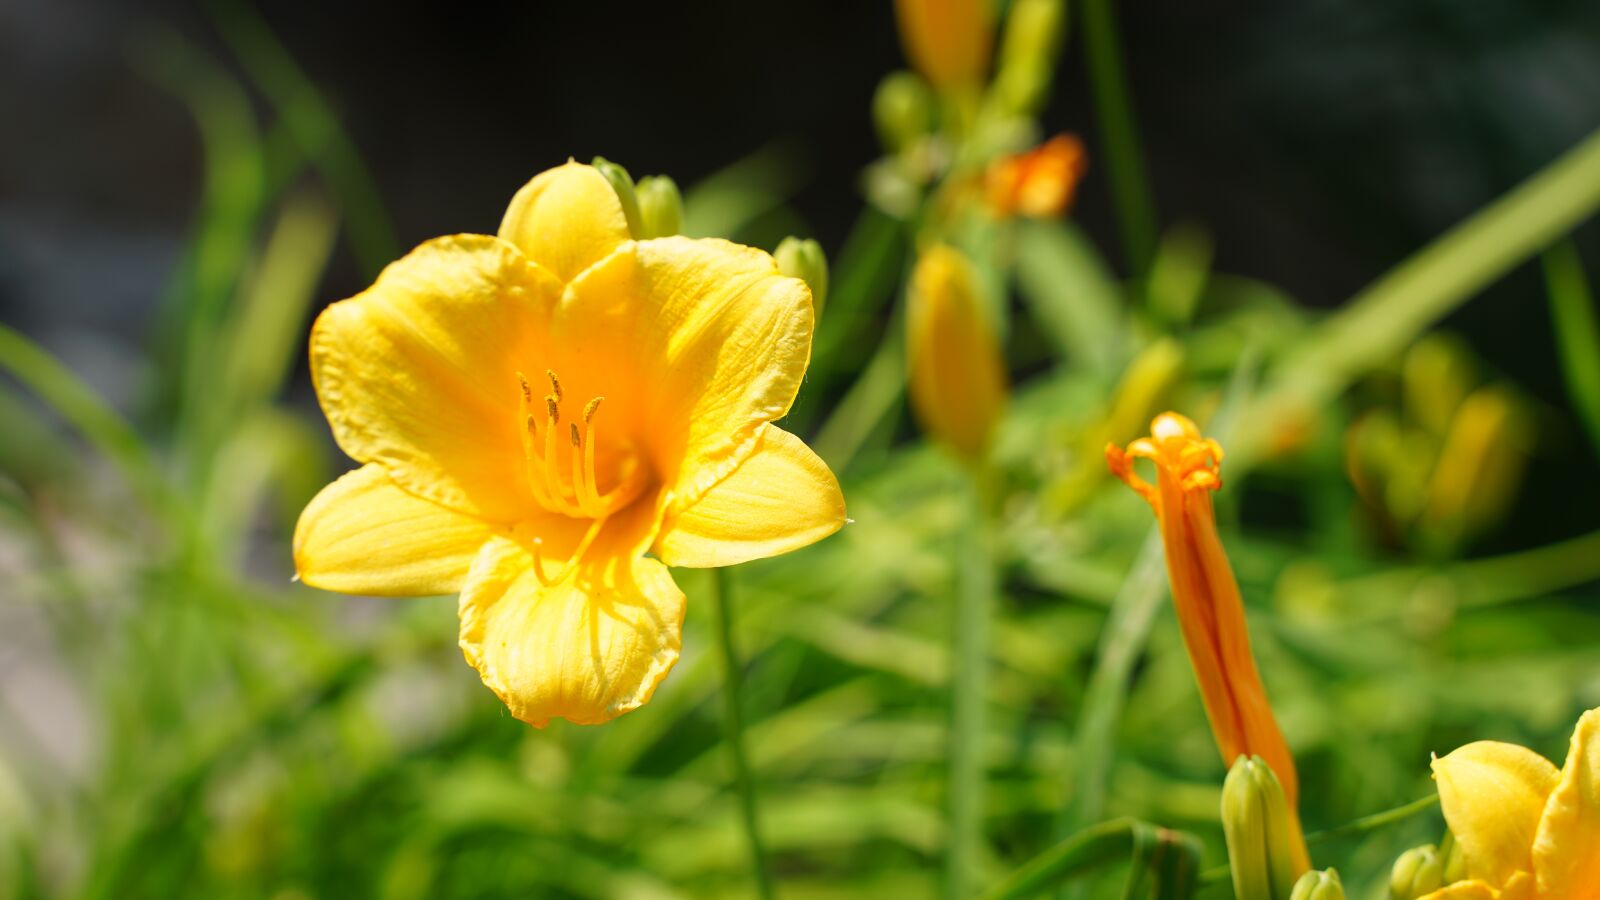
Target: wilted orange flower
1040,183
1210,610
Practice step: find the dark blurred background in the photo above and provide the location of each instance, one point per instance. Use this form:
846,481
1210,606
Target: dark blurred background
1320,142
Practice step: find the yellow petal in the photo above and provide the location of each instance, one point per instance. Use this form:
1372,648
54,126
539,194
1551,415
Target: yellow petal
418,372
713,340
782,498
1464,890
587,649
1566,853
566,219
364,535
1493,795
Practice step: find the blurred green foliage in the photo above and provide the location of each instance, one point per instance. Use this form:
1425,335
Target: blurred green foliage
246,737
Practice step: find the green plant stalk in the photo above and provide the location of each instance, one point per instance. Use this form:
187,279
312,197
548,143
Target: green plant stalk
733,727
1133,612
1084,852
1124,161
881,385
974,604
315,126
1577,333
90,416
1385,317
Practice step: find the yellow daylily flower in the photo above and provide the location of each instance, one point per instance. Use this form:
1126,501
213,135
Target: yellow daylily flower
1206,595
1526,830
538,410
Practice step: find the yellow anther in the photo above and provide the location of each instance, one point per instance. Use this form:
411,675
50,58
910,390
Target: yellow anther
589,410
527,392
555,385
552,409
576,440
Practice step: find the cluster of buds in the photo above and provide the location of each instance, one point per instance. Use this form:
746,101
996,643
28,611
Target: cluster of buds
956,115
1422,870
653,206
1444,463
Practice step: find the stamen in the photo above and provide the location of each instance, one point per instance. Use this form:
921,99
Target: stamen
530,432
550,407
552,479
576,441
556,385
588,486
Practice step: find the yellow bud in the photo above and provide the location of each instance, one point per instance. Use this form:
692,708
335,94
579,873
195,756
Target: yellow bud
1324,885
902,110
946,40
1261,834
622,183
1479,468
803,258
957,373
1417,873
660,207
1437,374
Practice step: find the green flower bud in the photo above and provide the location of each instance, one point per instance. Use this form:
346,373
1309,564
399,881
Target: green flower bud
902,110
1324,885
803,258
1418,872
1259,832
622,183
1455,864
1028,54
660,207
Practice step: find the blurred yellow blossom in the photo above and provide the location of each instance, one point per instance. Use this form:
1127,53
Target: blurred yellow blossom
1526,830
957,372
1210,609
1040,183
538,410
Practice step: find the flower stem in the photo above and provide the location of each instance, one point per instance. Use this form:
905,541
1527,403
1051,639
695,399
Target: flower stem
969,689
733,725
1130,185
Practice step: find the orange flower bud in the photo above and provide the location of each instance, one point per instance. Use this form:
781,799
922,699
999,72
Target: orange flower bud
948,41
957,373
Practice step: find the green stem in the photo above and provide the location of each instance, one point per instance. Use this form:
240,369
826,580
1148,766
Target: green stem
733,724
1577,334
1376,820
91,416
1089,849
1124,161
1132,614
1383,319
974,600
